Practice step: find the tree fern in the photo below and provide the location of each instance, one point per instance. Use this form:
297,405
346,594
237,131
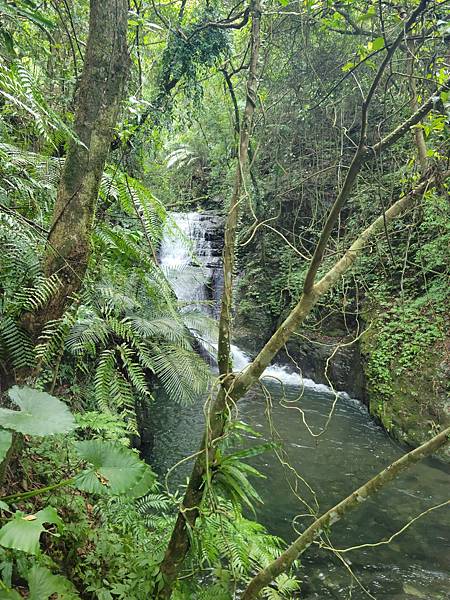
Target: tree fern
183,374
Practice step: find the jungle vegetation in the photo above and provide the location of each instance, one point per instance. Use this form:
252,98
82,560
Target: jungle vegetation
319,130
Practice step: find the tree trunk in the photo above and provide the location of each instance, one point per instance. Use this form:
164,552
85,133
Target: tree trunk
99,95
335,514
419,136
233,387
180,541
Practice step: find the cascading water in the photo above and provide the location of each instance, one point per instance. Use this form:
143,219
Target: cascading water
190,255
191,261
415,564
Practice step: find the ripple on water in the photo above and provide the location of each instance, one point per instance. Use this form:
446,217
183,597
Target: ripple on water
351,450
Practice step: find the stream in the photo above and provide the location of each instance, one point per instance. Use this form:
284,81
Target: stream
350,450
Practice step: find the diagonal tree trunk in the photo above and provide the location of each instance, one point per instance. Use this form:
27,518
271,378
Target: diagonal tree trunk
180,542
99,95
233,387
335,514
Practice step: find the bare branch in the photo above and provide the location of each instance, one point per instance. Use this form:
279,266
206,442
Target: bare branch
335,514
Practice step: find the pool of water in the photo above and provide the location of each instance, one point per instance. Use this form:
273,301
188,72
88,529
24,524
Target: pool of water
351,449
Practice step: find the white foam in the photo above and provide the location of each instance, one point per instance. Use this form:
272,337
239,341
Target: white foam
188,279
278,373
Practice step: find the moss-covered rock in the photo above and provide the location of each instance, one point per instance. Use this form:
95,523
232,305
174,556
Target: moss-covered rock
407,366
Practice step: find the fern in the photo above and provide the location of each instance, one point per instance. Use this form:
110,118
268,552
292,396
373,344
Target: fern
15,345
113,393
19,90
183,374
240,546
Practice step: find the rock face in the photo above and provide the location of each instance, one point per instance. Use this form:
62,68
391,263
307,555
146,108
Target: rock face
343,370
324,359
212,226
410,402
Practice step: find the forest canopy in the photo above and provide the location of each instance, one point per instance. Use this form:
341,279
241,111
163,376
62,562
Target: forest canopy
205,205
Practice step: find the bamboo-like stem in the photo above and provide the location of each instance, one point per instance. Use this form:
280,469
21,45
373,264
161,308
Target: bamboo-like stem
335,514
37,492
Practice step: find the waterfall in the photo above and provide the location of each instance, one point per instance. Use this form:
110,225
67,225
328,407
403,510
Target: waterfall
190,255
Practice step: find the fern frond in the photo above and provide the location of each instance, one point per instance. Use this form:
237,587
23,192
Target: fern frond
18,88
113,393
53,337
183,374
15,343
134,371
33,298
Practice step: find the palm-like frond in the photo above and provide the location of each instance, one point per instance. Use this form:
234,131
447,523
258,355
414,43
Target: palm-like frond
20,91
183,374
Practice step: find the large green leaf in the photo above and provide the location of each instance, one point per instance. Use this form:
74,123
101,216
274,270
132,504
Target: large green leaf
23,531
5,443
43,583
114,470
39,414
10,595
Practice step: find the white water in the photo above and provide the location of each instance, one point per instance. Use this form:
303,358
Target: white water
179,248
190,264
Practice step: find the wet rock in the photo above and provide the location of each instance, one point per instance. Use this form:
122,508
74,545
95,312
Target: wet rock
322,358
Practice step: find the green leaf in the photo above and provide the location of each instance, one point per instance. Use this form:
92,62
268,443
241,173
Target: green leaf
40,414
114,470
378,43
252,451
23,531
10,595
43,583
5,443
34,16
348,66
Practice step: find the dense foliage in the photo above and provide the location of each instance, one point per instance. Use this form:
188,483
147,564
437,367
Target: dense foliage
82,515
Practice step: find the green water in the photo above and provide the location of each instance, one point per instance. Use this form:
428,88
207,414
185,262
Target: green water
414,565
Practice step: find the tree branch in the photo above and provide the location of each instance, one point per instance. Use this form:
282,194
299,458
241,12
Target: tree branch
246,379
224,356
358,159
335,514
179,542
414,119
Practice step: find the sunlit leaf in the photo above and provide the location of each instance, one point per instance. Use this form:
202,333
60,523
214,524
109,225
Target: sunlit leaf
113,470
378,43
40,414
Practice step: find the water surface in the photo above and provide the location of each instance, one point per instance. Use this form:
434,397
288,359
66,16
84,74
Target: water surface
352,449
